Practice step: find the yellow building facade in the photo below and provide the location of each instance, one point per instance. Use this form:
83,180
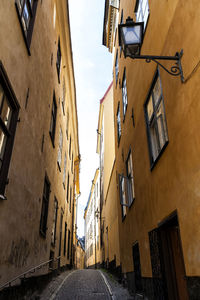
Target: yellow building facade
39,147
80,255
108,215
156,146
92,225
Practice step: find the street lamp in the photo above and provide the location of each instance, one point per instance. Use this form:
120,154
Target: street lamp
131,38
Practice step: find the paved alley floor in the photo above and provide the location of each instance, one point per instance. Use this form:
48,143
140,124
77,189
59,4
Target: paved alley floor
84,285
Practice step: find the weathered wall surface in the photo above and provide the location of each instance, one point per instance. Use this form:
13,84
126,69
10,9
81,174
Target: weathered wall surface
21,245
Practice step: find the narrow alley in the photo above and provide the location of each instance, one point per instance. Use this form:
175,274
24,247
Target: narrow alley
99,149
84,285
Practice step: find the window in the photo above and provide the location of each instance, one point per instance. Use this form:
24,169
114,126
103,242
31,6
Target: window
67,196
116,67
67,123
53,120
55,214
122,195
63,96
64,171
124,94
70,141
130,182
65,238
26,10
70,199
142,11
58,61
9,109
155,120
72,165
119,130
59,159
121,22
68,250
45,206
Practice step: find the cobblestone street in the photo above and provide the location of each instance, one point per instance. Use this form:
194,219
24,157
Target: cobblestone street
84,285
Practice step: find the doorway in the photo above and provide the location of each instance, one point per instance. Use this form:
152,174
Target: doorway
172,260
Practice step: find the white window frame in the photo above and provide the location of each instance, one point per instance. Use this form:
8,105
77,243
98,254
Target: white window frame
156,120
142,11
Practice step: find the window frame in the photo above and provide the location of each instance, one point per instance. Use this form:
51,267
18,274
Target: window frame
64,169
123,202
116,67
53,119
153,119
60,146
121,22
119,119
55,217
130,179
63,95
67,194
45,205
137,5
125,105
65,240
10,133
58,60
32,10
68,244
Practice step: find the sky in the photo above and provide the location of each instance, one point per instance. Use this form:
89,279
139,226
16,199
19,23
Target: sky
93,75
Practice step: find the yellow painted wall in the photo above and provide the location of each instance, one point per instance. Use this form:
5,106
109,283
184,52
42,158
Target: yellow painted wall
109,221
173,184
22,247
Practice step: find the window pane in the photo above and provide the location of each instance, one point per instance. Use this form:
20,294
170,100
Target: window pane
31,2
60,147
64,172
20,4
3,139
161,123
6,112
142,12
154,142
116,67
123,195
118,124
124,95
150,108
131,191
26,15
157,91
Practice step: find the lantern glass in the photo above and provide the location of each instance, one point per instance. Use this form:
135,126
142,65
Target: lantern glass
131,37
132,34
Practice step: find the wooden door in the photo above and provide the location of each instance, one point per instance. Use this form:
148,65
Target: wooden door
173,262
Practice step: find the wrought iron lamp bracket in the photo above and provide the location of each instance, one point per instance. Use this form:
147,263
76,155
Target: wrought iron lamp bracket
175,70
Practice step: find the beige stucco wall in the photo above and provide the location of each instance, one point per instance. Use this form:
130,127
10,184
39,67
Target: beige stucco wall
109,220
109,142
173,183
21,245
